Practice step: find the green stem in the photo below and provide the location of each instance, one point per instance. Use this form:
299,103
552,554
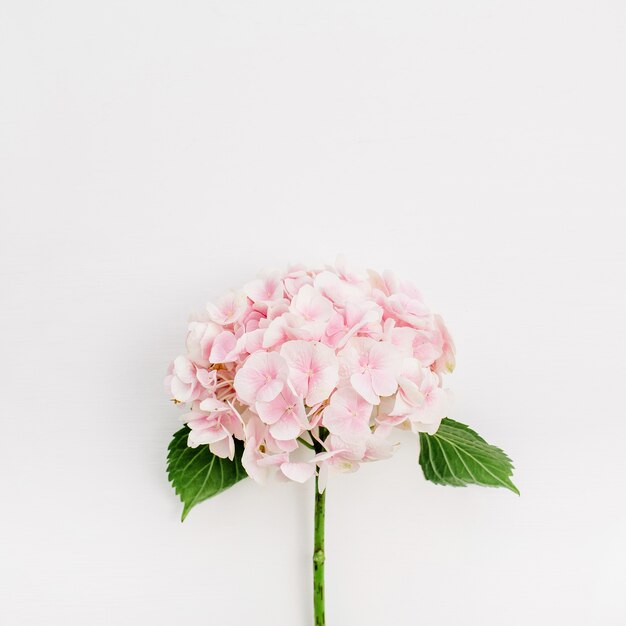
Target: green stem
305,443
319,557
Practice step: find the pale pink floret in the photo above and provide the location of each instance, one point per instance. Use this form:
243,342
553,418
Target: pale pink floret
229,308
420,397
266,289
348,415
407,309
183,381
373,367
291,326
311,305
337,290
285,415
362,317
402,337
200,341
377,446
299,472
254,458
228,347
295,278
340,456
261,378
313,369
207,378
259,462
428,345
214,424
306,318
383,284
344,456
252,341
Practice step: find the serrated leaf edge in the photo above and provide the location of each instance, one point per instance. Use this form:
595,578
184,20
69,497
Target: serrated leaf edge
480,444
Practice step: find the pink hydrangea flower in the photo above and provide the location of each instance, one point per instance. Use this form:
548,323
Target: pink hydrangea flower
225,348
260,460
200,341
313,369
183,380
373,367
214,423
265,290
420,398
261,378
229,309
285,415
332,358
338,455
348,415
311,305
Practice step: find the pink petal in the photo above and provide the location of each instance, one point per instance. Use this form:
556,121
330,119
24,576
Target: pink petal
348,415
322,479
354,429
270,460
184,369
325,367
312,305
298,355
206,378
411,391
299,472
288,445
275,334
192,415
254,340
213,404
181,391
200,339
383,382
385,356
362,383
225,448
324,456
223,348
270,390
210,435
264,289
271,412
287,428
342,401
322,384
247,383
229,309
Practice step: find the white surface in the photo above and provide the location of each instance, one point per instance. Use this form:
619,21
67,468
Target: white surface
155,154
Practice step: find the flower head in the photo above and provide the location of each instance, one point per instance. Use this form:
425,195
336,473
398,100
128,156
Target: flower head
332,356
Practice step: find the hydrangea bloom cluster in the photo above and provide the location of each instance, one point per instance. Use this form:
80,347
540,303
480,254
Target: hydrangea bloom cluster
312,369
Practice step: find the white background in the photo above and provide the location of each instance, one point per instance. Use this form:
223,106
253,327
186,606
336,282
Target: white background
155,154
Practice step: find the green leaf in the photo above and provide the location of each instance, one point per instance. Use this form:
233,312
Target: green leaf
197,474
456,455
